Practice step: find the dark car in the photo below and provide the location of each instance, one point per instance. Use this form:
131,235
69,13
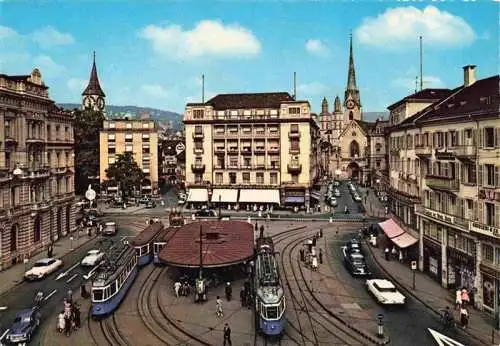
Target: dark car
355,263
354,246
150,204
24,326
205,213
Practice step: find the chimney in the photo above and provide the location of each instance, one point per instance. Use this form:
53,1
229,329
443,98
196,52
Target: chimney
469,75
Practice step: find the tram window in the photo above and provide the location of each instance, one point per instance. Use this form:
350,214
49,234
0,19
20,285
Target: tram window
272,312
145,249
97,294
112,289
137,251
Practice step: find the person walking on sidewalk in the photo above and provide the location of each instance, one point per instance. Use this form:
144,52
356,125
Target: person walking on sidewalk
464,317
387,254
218,307
227,335
458,299
465,297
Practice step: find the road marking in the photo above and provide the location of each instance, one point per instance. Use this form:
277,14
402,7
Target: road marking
4,333
71,278
50,295
90,273
67,271
3,308
443,340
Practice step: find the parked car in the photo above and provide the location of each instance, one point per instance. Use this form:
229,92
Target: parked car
109,228
206,213
353,246
144,200
24,326
385,292
92,258
357,197
333,202
43,268
150,204
355,263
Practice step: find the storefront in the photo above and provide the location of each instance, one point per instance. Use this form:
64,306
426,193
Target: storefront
490,285
432,258
461,269
295,198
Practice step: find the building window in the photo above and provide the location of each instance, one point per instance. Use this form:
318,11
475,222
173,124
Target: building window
111,160
294,128
129,138
145,138
198,178
294,145
111,150
128,125
246,177
111,138
247,162
489,137
490,214
354,149
145,150
233,161
295,178
232,178
218,178
273,178
198,145
220,161
198,130
145,125
490,175
470,173
487,251
198,113
378,147
377,163
260,178
128,148
351,115
294,110
197,160
111,125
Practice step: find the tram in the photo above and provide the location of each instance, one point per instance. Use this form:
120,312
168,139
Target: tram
113,279
176,220
270,296
143,243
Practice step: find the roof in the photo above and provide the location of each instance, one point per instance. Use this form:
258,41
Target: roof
94,88
482,96
224,243
26,312
148,234
45,260
426,95
365,125
383,283
250,100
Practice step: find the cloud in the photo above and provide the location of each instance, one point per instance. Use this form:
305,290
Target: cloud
400,27
48,67
49,37
7,33
207,38
154,90
408,83
316,47
313,88
76,84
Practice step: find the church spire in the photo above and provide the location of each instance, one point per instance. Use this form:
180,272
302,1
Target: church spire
351,76
94,88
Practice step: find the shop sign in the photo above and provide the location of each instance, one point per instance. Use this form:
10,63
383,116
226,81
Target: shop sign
489,271
444,218
488,291
490,231
490,194
433,266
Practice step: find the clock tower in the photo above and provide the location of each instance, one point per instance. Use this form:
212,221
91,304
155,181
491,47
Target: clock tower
352,101
93,97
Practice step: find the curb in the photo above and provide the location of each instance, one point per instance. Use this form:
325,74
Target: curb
410,293
65,255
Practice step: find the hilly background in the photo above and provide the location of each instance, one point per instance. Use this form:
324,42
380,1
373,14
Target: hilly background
175,119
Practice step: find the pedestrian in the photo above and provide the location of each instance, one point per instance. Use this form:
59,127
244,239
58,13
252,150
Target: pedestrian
49,251
394,252
314,264
321,232
76,315
218,306
177,288
60,322
458,299
243,297
387,254
301,252
320,256
227,335
70,295
67,324
162,203
464,317
465,297
401,256
256,227
262,231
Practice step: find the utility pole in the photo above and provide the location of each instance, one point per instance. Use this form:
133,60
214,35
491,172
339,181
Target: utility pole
295,86
202,88
421,66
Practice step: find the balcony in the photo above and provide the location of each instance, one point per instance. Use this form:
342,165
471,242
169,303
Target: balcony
10,140
260,134
33,140
246,151
294,134
465,153
246,134
294,168
274,150
40,206
59,170
198,150
198,167
198,135
219,135
423,151
260,150
38,173
442,183
446,154
260,166
233,150
274,134
233,134
220,150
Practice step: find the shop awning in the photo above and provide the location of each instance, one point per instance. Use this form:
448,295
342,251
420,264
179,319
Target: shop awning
316,196
260,196
404,240
225,195
197,195
391,228
295,199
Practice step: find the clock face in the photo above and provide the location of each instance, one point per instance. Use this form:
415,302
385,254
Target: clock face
87,102
350,104
100,103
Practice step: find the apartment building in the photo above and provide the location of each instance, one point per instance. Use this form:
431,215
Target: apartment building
250,150
378,164
172,160
446,161
139,136
36,169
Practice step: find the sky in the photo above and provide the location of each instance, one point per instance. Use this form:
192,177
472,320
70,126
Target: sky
153,53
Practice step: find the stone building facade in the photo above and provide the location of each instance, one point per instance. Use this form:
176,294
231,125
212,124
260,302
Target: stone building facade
36,169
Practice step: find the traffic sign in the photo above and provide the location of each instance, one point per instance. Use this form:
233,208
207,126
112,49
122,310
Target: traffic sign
414,265
90,194
443,340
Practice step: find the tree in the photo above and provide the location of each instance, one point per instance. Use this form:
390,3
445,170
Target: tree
125,172
87,125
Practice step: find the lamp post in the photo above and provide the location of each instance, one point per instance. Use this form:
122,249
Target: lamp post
220,201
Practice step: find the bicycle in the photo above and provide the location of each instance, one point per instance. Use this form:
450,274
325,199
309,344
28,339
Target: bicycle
447,320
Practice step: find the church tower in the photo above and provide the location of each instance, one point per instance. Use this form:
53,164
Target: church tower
352,101
324,116
93,96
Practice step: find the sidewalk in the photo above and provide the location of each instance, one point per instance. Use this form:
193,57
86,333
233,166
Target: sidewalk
436,298
13,276
373,206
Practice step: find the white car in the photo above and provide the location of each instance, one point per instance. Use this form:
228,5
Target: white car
385,292
92,258
43,268
357,198
333,202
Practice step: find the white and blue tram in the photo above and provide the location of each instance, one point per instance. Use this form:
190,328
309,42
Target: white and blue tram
269,294
144,243
113,280
176,220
